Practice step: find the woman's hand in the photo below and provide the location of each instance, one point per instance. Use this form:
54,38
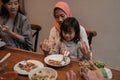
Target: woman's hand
14,35
4,28
45,46
85,50
88,74
0,27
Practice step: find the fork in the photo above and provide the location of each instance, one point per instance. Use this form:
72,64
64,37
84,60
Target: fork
22,64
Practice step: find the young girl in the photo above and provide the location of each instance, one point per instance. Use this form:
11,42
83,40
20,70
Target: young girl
70,40
15,28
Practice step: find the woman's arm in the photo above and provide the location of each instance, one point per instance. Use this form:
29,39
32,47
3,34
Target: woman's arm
83,35
12,34
84,40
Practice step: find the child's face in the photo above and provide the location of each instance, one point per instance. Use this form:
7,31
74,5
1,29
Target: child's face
68,36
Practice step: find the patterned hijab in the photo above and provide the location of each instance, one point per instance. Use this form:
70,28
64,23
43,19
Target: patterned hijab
65,7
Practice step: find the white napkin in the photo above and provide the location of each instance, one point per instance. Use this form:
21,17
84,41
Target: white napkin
2,43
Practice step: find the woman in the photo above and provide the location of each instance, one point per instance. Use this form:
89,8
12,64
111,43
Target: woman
60,13
15,28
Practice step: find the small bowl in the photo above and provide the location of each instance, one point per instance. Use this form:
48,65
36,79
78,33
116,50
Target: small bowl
50,73
10,75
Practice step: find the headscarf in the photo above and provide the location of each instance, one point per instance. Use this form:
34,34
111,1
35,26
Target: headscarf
65,7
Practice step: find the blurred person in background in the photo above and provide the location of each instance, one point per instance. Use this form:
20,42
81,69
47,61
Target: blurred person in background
15,29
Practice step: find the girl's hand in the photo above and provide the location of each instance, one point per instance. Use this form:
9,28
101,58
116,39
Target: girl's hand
65,52
45,46
62,51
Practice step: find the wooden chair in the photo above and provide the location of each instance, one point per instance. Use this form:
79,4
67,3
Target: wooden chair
91,34
35,35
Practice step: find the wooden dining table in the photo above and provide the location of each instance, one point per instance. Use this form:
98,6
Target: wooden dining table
18,55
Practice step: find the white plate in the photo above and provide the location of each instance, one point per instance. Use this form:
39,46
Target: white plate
23,72
44,71
109,73
2,43
56,57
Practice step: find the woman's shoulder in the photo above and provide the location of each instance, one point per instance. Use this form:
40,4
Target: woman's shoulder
23,17
53,29
2,19
82,28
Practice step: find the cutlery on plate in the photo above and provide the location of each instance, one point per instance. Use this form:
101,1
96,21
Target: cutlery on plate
23,63
63,61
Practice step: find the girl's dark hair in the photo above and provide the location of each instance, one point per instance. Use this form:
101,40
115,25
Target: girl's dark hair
68,24
4,12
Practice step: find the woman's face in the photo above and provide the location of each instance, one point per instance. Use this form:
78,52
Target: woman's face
12,7
68,36
60,16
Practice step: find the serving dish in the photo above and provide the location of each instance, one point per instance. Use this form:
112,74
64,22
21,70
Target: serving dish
45,73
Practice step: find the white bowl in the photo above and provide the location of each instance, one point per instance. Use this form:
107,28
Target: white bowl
109,73
2,44
51,73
